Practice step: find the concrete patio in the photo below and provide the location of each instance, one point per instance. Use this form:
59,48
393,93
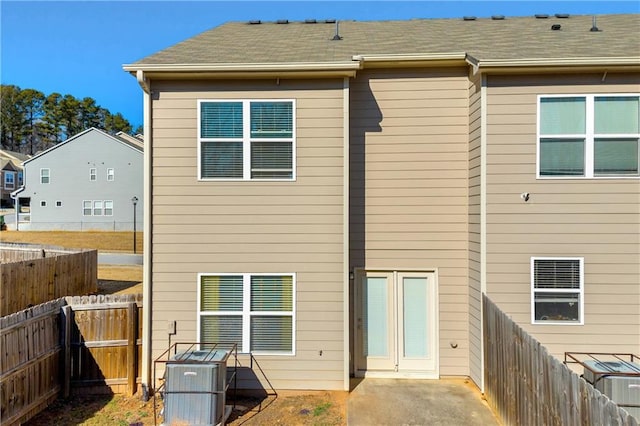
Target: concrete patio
417,402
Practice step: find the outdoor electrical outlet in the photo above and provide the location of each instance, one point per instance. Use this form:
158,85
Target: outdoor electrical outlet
171,329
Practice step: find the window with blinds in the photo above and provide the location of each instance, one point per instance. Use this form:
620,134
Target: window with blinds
254,311
246,139
557,290
589,136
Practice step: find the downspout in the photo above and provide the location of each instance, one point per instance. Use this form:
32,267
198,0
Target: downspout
146,213
345,242
483,216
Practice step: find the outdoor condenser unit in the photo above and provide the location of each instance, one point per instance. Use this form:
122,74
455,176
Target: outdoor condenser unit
195,388
621,389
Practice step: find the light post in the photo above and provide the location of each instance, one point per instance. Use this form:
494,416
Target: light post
134,200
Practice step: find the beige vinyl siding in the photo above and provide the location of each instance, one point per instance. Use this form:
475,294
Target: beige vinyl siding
409,165
253,227
598,219
475,289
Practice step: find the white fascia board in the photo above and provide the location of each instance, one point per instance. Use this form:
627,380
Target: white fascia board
240,67
410,57
556,63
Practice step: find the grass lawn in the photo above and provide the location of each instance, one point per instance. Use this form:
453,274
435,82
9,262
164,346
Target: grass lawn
103,241
112,279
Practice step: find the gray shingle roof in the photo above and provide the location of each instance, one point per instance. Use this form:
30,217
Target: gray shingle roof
484,39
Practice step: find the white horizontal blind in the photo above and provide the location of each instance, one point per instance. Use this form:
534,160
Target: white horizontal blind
221,120
557,273
271,120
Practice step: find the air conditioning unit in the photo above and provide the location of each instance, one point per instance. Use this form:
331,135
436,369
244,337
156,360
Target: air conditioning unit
619,380
195,384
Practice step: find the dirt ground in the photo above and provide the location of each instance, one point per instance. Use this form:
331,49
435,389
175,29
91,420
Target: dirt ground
115,279
288,408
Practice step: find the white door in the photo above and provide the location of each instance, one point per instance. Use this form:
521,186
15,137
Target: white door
396,324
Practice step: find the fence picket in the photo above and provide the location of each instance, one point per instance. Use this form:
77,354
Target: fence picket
45,354
525,385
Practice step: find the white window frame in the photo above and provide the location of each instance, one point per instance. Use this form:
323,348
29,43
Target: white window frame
247,313
43,203
93,174
58,203
104,209
97,203
46,175
84,208
589,136
111,174
9,179
246,140
579,292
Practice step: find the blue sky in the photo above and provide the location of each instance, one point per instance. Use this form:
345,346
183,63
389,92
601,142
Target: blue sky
79,47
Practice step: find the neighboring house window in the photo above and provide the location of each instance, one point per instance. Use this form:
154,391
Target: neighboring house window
58,203
97,208
246,140
588,136
43,204
108,208
93,174
557,290
9,180
87,208
111,174
44,176
255,311
20,178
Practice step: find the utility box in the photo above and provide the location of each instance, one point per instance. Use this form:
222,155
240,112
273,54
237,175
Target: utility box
619,380
195,383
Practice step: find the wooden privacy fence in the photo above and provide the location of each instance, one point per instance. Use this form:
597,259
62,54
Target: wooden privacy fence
29,361
36,275
104,345
70,345
527,386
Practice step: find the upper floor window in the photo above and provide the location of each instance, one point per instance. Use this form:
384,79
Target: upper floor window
9,180
20,178
111,174
44,176
93,174
557,290
588,136
246,140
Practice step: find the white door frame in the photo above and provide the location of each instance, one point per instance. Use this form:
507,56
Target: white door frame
395,275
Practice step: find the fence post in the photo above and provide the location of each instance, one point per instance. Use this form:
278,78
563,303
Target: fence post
67,314
132,358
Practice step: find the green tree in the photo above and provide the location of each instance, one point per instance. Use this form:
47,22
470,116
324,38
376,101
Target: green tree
32,121
31,104
69,113
115,123
90,114
11,117
51,121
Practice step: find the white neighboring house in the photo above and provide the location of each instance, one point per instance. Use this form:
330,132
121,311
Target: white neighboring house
91,181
